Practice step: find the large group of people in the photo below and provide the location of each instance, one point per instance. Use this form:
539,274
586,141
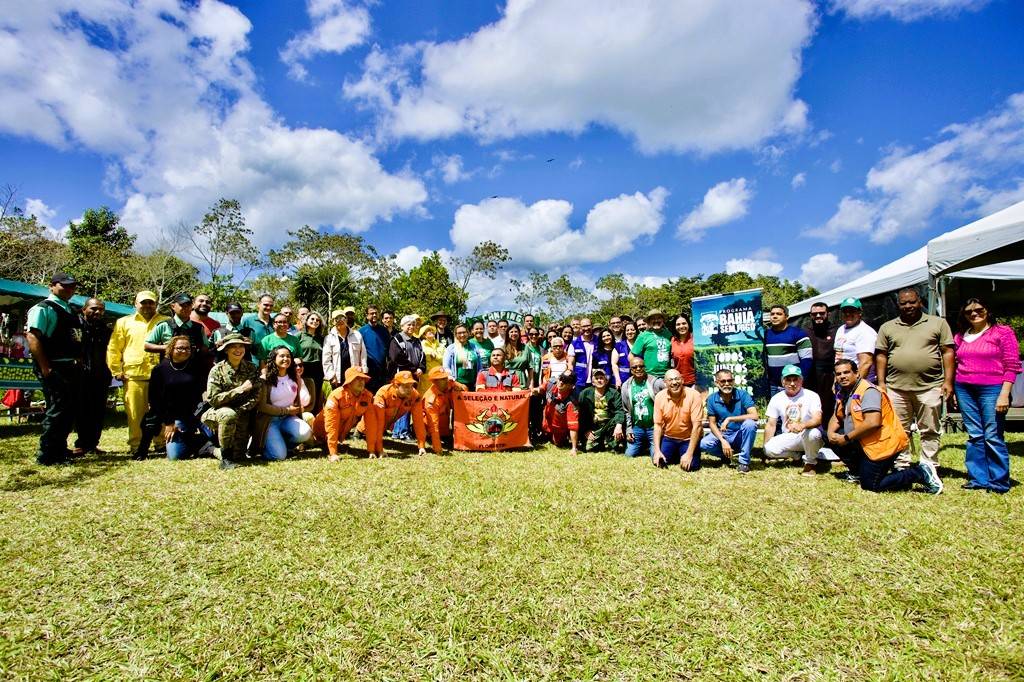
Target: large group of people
267,383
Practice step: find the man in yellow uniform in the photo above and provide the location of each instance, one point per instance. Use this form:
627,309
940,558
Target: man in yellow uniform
131,364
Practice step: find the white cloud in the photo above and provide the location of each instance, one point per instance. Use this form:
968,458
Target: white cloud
37,207
968,172
673,75
540,234
409,257
725,202
991,201
904,10
824,271
753,266
451,168
646,280
798,181
576,163
337,26
175,105
836,166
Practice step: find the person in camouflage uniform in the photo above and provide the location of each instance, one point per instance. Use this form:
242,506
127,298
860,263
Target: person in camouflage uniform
231,391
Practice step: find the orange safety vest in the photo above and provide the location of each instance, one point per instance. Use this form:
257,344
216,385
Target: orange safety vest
881,443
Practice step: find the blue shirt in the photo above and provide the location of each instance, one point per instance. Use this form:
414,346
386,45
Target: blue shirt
740,404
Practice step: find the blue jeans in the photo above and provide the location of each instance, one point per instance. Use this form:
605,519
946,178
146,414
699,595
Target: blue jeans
642,439
987,458
186,440
741,440
281,432
674,449
876,476
401,428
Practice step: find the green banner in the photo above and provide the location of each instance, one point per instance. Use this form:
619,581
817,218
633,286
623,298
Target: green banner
497,315
17,374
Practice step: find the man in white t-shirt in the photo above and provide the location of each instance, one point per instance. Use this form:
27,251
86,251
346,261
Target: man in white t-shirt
796,414
855,339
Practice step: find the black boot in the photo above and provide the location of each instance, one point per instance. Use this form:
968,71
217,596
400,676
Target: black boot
228,459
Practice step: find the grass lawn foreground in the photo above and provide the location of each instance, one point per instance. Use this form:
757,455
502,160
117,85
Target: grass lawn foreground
529,565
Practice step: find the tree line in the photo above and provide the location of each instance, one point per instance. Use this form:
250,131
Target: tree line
324,271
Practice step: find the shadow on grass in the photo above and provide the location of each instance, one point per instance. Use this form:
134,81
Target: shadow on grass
31,476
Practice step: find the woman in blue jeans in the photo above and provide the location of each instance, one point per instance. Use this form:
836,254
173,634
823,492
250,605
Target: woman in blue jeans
175,390
987,363
282,400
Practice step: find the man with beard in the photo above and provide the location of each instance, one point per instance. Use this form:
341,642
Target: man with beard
823,357
732,421
92,402
201,313
655,345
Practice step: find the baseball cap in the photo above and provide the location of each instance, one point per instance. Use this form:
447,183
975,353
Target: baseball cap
598,371
64,279
233,308
355,373
791,371
145,296
336,314
348,309
403,377
851,302
437,373
183,299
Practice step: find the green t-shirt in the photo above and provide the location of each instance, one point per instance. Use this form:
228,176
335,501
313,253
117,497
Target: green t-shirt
163,332
259,327
655,347
273,341
483,351
642,404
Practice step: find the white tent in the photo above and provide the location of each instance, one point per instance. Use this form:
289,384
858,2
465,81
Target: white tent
910,270
993,239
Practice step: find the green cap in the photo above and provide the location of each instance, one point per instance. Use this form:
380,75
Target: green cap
850,302
791,371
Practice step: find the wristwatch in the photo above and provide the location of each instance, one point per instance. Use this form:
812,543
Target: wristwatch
846,438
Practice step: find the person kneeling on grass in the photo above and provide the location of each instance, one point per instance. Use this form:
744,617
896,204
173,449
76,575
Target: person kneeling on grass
345,406
282,400
601,416
866,434
231,390
732,420
391,403
678,424
175,392
799,413
436,407
561,412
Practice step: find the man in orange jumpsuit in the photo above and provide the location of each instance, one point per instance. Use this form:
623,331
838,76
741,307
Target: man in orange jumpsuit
391,402
437,408
342,411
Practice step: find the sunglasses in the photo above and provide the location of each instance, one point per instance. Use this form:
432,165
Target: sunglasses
974,311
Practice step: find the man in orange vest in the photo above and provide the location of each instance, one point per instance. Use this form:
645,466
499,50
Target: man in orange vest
344,408
866,434
392,402
436,407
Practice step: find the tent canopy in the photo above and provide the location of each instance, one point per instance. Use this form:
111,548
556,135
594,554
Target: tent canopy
14,294
910,270
992,239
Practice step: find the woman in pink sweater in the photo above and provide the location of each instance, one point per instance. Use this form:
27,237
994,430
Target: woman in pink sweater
987,363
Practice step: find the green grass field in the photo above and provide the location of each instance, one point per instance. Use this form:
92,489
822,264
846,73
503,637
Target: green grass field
516,566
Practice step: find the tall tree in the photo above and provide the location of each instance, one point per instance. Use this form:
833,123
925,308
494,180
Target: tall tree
428,288
563,298
485,260
165,274
101,253
223,245
530,294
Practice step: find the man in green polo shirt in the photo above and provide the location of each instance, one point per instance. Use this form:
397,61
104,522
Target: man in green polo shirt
180,324
914,362
280,337
260,323
55,341
654,345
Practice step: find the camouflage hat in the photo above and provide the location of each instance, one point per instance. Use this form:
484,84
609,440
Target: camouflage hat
233,337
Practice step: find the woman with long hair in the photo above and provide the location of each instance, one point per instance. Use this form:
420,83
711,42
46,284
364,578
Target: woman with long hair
603,355
621,354
987,364
518,360
283,399
311,341
567,334
460,360
682,349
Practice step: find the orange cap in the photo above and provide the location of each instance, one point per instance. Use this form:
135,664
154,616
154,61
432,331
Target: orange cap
437,373
403,377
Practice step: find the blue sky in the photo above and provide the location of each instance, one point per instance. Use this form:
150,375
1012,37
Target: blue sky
811,140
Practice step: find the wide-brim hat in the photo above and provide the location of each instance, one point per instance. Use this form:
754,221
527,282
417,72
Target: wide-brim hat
232,339
437,315
403,377
353,373
654,312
